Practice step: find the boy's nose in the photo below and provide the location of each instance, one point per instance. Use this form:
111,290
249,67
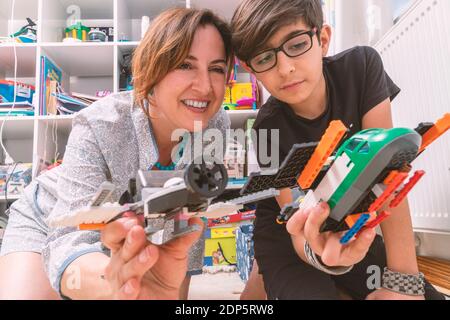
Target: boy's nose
285,64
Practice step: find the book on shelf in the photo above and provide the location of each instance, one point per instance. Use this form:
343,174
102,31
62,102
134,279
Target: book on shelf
50,78
23,108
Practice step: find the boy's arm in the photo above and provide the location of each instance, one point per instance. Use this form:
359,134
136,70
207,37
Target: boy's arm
397,230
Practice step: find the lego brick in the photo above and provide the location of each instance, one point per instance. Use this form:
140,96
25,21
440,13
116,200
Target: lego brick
441,126
407,188
401,176
355,229
325,149
379,219
351,220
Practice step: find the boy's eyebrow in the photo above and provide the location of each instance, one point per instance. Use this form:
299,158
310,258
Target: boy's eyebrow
212,62
285,38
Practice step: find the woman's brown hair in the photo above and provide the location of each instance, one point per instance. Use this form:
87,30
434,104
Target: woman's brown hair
166,45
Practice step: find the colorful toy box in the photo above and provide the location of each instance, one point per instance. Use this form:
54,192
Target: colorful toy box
24,92
244,251
220,246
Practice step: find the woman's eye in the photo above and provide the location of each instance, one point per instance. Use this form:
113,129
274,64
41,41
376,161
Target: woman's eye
218,70
185,66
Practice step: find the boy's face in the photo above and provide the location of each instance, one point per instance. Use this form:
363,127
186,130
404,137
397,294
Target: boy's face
295,80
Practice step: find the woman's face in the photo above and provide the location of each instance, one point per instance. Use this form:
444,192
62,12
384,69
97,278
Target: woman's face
194,91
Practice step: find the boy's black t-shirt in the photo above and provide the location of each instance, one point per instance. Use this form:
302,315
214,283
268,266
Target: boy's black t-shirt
356,83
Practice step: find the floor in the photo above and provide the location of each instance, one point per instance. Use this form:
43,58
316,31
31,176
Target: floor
218,286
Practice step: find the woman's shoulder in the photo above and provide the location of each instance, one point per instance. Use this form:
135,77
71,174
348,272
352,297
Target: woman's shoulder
113,108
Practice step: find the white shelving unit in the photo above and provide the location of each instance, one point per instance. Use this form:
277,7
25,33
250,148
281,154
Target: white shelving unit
87,67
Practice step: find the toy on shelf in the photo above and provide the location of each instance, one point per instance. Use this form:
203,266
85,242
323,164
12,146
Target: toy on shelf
241,96
161,196
26,34
367,170
76,32
14,178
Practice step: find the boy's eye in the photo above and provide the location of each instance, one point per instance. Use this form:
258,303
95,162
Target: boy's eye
264,58
298,46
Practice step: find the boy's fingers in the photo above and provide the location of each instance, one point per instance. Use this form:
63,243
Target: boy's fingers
357,249
331,254
115,232
135,241
296,223
140,264
316,218
130,290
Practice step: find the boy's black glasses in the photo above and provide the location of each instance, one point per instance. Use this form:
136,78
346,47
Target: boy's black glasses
293,47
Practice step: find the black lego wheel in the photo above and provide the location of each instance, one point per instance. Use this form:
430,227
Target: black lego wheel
208,180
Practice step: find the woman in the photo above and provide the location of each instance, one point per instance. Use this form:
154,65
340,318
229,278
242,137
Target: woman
180,71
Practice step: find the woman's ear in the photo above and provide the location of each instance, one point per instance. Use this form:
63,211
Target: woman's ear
325,38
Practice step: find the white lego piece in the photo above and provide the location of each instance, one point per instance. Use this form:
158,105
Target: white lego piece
89,215
220,209
334,177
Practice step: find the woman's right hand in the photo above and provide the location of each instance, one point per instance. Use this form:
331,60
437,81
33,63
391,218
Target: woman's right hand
139,269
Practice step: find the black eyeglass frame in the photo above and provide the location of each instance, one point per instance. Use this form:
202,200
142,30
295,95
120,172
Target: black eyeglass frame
310,33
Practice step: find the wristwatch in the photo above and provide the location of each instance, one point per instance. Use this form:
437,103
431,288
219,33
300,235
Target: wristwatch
408,284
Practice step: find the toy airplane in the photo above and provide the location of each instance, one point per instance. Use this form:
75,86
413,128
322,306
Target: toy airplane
365,172
196,191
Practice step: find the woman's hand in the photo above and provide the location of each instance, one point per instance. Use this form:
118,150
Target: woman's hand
141,270
305,225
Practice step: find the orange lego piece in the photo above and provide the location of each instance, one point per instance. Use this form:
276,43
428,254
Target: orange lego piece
91,226
390,178
441,126
407,188
377,204
324,150
352,219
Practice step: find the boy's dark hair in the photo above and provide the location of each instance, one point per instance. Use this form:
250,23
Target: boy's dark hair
255,21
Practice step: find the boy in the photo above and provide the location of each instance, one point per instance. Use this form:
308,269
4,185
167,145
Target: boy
284,43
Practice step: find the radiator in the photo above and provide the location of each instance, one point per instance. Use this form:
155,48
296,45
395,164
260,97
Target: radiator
416,54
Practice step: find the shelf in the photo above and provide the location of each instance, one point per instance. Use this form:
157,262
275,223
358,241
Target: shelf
57,16
26,60
18,128
130,12
10,198
82,59
224,8
23,9
238,118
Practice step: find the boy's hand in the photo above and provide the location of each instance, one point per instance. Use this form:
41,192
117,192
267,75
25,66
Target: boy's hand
304,225
141,270
384,294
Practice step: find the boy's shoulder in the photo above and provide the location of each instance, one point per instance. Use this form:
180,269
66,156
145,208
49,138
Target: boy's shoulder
353,55
270,111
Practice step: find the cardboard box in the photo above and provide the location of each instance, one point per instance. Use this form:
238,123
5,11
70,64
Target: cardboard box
220,246
245,253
